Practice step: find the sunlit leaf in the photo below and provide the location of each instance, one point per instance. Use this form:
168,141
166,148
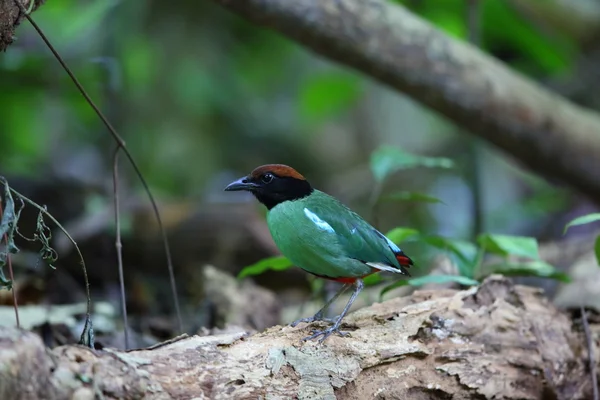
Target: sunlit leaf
411,196
530,268
386,160
583,220
505,245
427,279
400,234
325,95
278,263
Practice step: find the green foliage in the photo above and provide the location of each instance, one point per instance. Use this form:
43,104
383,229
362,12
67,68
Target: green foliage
597,249
326,95
509,245
469,258
411,196
537,268
386,160
427,279
400,234
463,253
583,220
531,48
278,263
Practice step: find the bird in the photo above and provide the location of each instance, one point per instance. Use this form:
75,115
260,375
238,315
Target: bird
321,235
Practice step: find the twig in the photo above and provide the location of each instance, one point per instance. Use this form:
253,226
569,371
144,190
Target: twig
590,346
87,336
121,145
119,245
475,147
10,274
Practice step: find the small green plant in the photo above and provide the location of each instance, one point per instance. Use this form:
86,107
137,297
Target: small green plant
510,255
584,220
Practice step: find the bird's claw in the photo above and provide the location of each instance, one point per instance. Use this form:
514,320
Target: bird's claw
310,320
325,333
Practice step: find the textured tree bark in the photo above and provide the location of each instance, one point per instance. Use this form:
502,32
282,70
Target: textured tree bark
10,18
496,341
385,41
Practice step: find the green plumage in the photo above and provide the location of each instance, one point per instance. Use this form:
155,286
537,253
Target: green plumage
322,236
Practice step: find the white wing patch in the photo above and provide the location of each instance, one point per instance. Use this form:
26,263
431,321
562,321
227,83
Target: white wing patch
384,267
322,225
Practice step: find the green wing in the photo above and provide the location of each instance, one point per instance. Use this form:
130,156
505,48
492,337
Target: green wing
357,238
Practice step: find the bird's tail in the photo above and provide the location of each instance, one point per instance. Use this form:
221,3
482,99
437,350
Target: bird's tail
404,261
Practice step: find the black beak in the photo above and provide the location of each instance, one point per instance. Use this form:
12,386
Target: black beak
241,184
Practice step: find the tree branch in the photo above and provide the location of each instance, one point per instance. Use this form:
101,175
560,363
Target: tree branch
545,132
10,18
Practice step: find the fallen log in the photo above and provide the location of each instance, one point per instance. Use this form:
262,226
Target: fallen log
499,340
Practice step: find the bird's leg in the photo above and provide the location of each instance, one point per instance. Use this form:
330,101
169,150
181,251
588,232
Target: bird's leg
336,327
320,315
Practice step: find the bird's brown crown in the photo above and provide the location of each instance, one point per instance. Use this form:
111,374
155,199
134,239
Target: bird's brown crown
281,170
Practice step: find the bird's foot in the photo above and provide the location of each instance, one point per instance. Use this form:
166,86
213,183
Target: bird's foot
325,333
312,319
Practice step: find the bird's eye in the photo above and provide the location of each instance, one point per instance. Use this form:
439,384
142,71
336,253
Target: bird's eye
267,178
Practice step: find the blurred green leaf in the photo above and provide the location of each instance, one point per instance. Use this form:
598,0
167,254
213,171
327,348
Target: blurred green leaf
530,45
372,280
597,249
583,220
400,234
524,45
278,263
530,268
252,72
89,17
386,160
317,285
424,280
141,66
327,94
411,196
24,138
505,245
544,201
463,253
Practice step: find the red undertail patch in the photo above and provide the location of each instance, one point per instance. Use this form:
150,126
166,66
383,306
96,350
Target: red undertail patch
404,260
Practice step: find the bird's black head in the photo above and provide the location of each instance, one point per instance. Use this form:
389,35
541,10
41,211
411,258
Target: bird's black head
273,184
